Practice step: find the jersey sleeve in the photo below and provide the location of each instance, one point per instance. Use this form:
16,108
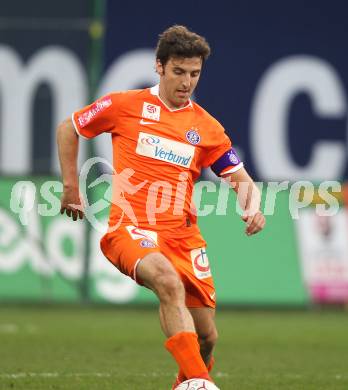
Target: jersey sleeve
219,155
219,143
98,117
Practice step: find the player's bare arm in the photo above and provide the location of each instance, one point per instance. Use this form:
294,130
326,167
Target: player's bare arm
67,140
249,199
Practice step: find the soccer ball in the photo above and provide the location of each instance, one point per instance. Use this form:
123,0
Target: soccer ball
196,384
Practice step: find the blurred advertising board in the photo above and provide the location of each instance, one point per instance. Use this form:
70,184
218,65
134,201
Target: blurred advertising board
323,245
42,258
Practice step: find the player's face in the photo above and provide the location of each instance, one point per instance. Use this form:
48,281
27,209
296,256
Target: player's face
178,79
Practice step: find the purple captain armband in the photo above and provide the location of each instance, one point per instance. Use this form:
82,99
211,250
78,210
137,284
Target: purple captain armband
228,159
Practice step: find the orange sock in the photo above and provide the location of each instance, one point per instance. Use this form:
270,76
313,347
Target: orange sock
211,364
181,376
185,349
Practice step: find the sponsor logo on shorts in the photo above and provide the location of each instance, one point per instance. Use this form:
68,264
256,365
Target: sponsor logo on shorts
193,137
164,149
147,244
99,106
137,234
200,263
151,111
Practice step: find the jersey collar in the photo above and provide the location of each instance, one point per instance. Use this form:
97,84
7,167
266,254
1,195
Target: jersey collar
155,91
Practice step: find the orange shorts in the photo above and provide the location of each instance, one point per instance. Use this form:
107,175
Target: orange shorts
125,247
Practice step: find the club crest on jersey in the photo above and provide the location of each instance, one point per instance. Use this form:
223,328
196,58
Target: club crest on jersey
193,137
200,263
151,111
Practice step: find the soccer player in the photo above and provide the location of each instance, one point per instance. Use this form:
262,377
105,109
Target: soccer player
161,140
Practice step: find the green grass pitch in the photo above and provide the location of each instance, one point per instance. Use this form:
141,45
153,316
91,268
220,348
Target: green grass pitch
113,348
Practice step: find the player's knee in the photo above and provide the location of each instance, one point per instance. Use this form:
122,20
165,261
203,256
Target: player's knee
162,279
170,288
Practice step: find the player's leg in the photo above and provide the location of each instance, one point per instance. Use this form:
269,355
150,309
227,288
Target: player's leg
135,252
204,320
156,272
193,268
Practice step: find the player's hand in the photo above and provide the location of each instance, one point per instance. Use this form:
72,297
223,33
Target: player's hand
254,223
71,203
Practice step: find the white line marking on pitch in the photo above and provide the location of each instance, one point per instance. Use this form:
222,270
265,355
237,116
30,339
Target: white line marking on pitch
19,375
219,374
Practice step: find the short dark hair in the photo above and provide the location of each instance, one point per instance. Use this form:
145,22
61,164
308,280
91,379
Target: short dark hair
179,41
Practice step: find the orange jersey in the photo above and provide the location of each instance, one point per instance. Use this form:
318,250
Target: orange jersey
159,150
